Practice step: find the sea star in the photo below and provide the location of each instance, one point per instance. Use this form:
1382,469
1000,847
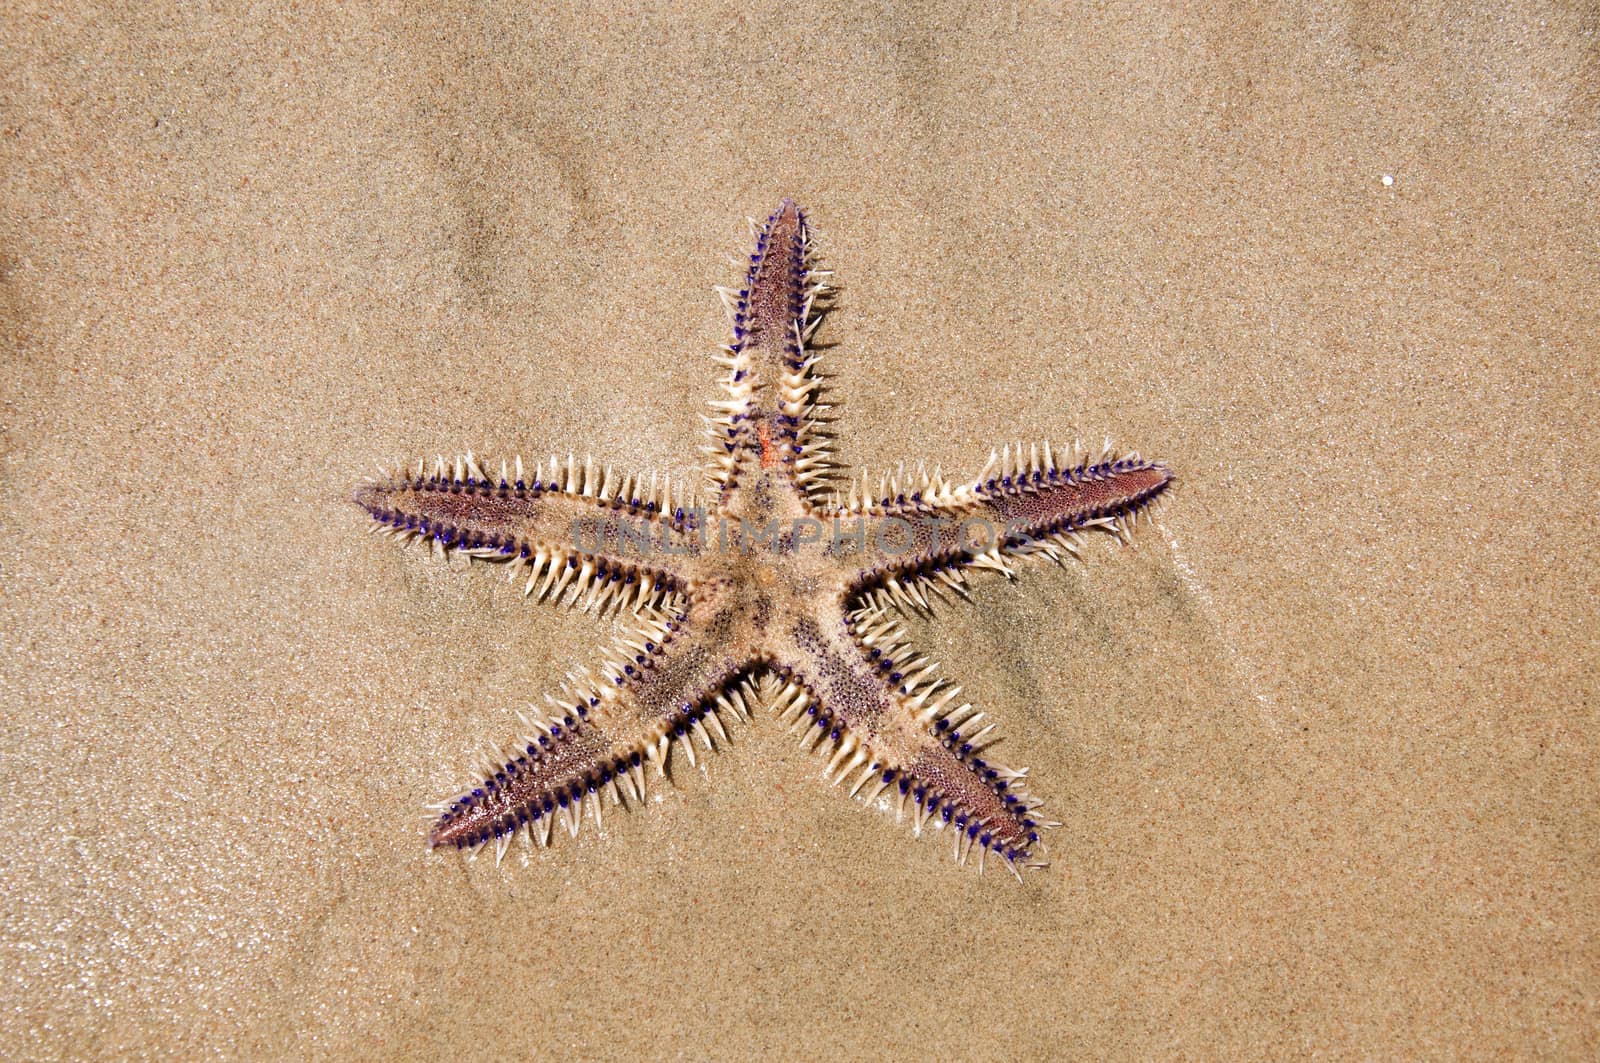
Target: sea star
777,591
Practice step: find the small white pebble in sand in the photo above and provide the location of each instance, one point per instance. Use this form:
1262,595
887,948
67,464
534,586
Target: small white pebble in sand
1388,179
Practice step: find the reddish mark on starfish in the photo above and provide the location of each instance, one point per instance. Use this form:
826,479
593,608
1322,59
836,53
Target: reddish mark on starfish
769,456
778,590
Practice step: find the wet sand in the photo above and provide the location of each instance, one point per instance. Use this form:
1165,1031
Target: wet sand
1322,742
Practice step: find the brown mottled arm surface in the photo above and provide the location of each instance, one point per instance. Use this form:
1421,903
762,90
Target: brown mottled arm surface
899,730
666,682
768,423
567,527
1024,502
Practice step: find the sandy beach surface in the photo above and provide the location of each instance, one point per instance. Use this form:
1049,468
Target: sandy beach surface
1322,741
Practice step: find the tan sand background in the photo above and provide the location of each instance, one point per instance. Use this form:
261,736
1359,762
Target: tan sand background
1323,743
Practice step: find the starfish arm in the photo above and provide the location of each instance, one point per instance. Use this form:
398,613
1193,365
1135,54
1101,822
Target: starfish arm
770,418
568,527
925,531
853,687
668,681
